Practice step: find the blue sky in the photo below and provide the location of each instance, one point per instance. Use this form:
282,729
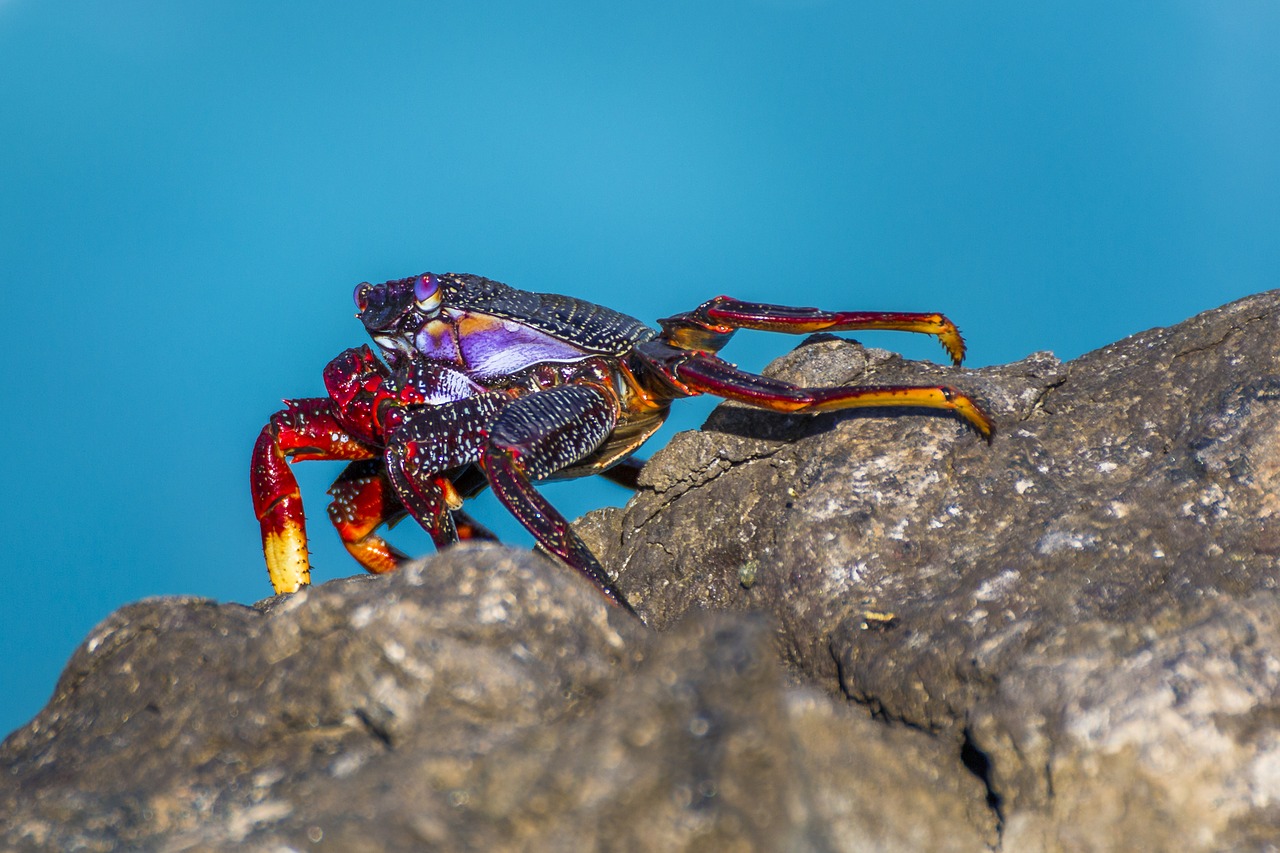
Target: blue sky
189,192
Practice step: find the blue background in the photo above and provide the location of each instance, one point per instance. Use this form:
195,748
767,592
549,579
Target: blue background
188,193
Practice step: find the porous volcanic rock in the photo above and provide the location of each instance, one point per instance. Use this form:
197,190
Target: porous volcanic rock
865,632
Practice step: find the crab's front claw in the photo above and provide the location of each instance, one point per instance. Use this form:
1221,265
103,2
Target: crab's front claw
278,505
307,429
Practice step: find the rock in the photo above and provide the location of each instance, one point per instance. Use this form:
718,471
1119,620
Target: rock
1087,607
211,724
868,633
481,699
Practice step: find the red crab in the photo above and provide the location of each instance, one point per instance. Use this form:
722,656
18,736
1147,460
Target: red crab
484,384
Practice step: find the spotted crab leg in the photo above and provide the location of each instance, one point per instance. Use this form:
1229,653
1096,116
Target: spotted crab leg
426,499
709,374
306,429
722,315
532,439
425,446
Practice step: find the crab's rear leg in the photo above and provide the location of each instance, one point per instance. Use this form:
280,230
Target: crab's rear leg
709,374
307,429
708,326
535,437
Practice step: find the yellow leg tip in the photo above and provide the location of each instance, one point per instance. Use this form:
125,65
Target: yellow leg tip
978,419
287,563
953,344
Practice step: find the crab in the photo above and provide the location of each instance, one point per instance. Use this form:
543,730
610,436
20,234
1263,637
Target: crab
480,384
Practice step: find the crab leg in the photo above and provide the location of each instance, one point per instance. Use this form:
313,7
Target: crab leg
536,436
467,483
708,374
427,498
724,314
307,429
424,446
363,500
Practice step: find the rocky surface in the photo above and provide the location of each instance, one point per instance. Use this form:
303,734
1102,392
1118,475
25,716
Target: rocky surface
869,633
1087,607
485,699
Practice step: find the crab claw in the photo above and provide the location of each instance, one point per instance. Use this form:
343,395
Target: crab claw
307,429
278,505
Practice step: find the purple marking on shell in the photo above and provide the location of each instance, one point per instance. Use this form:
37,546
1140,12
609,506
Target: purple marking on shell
498,347
436,341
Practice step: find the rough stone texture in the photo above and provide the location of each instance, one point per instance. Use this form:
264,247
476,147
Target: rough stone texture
1068,639
1087,607
485,699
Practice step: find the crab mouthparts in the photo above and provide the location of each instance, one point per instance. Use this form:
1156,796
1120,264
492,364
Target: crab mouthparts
393,346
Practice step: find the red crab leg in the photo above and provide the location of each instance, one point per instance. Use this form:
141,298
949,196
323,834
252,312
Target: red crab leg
362,501
468,482
533,438
425,446
307,429
425,497
708,374
724,314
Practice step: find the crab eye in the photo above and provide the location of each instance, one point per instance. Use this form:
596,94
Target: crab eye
361,295
426,292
